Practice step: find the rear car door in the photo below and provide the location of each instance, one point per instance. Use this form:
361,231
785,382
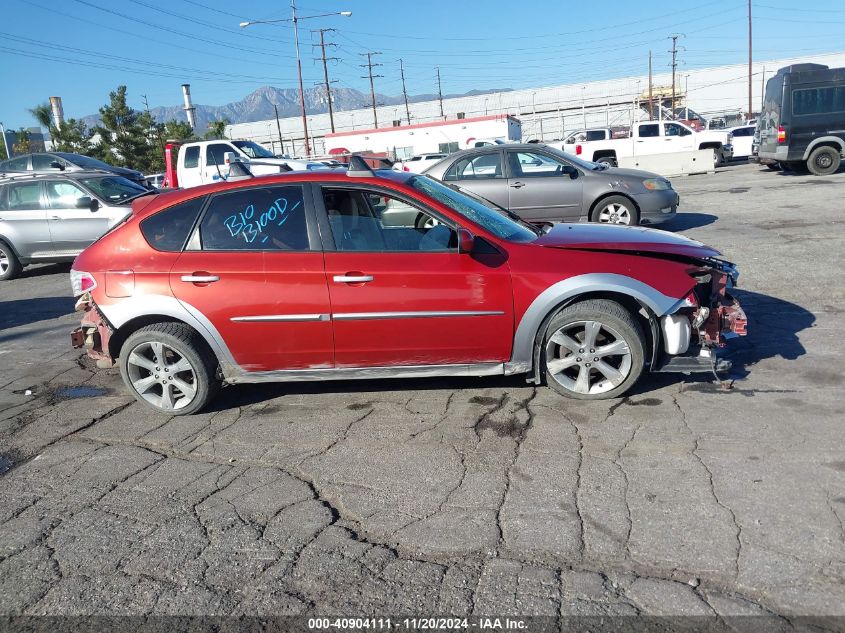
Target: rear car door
23,219
483,174
72,229
254,268
649,140
401,293
540,188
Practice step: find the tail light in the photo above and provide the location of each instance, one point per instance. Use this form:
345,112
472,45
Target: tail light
405,168
81,282
578,150
781,134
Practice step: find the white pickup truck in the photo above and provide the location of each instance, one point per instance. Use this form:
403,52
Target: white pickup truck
204,162
648,137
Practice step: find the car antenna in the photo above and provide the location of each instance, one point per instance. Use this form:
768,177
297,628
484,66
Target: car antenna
358,168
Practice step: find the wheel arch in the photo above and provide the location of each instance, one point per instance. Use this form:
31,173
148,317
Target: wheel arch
825,141
604,153
710,145
646,303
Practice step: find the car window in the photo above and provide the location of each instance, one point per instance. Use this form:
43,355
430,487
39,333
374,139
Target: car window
114,189
215,152
192,157
62,194
24,196
650,130
744,131
481,167
168,230
252,149
374,221
533,165
85,161
256,219
15,164
596,135
43,161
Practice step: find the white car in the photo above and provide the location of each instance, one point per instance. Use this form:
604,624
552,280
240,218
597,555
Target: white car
743,137
418,164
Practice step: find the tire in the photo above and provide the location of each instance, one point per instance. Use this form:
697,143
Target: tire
10,265
774,166
424,221
610,161
615,210
590,379
824,161
164,387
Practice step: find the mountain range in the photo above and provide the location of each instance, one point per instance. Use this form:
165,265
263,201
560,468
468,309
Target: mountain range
258,105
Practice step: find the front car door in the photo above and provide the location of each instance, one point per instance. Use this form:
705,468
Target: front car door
23,219
542,187
72,229
483,174
677,137
215,168
254,268
401,293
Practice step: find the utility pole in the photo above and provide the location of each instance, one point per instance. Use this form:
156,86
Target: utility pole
750,105
404,91
369,66
440,94
326,71
674,65
279,130
650,96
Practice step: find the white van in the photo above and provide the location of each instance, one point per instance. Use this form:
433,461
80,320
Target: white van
204,162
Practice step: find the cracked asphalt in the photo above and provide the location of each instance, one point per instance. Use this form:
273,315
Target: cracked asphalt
451,497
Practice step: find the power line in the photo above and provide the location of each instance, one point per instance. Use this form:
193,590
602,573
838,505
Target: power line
369,66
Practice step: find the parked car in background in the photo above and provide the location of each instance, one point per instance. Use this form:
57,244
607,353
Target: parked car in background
582,136
66,161
53,217
172,297
541,183
656,137
742,141
418,164
802,125
204,162
155,181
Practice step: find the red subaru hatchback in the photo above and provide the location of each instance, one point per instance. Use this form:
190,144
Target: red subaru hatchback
379,274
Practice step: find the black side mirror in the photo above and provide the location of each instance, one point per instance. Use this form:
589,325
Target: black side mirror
87,202
466,241
570,171
57,165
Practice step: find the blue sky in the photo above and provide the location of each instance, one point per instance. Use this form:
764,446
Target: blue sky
82,49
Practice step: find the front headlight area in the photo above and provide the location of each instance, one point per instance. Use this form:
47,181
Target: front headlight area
657,184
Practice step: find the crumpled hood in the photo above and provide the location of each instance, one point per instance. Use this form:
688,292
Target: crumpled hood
612,237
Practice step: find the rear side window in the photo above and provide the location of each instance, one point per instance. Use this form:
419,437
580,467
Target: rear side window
23,196
818,100
650,130
15,164
168,230
192,157
596,135
265,219
481,167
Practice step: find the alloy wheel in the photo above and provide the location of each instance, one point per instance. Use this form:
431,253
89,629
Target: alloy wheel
4,262
615,213
588,357
161,375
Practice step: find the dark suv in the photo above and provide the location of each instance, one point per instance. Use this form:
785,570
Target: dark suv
67,161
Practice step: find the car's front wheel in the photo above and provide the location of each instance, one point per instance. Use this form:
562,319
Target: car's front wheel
592,350
169,368
615,210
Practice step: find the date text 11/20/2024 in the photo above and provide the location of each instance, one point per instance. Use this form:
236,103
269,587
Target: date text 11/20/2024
418,624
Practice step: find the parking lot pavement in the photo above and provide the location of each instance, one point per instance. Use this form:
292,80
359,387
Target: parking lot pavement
451,496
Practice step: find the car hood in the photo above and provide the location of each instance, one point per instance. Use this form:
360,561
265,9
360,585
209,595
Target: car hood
625,172
634,239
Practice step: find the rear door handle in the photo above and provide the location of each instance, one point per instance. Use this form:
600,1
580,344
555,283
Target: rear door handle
517,185
200,279
352,279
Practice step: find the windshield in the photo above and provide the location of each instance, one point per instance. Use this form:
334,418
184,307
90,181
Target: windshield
252,149
84,161
114,189
473,210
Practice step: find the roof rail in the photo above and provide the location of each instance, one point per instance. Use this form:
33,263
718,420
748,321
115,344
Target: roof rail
358,168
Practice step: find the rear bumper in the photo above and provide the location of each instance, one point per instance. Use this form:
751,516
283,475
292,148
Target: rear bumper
93,334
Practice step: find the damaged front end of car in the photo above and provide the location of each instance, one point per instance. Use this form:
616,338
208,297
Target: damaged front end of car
701,323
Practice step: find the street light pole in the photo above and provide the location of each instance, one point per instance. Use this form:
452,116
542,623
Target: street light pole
5,142
295,19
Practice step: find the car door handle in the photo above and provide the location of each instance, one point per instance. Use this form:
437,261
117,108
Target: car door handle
352,279
200,279
517,185
55,217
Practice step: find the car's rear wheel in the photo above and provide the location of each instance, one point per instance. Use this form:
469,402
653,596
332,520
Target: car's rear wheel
615,210
610,161
774,166
10,265
592,350
824,161
169,368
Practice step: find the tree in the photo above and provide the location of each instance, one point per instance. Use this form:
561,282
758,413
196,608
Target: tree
74,136
174,130
217,129
126,137
24,144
